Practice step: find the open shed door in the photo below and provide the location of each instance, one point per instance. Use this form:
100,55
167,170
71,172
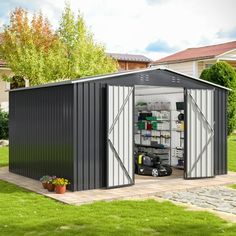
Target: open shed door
120,162
199,159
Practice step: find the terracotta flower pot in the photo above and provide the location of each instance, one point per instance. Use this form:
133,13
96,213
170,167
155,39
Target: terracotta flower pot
44,185
60,189
50,187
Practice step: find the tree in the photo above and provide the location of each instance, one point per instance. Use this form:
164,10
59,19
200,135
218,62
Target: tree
223,74
84,57
4,125
32,49
36,53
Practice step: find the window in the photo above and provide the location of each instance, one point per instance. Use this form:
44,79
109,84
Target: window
207,66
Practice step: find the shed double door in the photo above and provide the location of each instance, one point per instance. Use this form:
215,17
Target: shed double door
120,161
199,133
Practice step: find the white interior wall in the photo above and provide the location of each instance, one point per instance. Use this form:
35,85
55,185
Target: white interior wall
163,94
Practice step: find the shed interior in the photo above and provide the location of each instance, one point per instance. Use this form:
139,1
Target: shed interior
158,132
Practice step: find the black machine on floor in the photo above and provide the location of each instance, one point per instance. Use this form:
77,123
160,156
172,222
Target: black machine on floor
150,164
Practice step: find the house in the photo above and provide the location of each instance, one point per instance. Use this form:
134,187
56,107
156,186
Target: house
130,61
87,130
193,61
4,70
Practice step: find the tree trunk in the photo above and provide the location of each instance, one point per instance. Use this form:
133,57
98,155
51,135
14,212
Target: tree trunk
27,84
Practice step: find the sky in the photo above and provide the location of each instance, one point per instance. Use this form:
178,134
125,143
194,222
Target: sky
154,28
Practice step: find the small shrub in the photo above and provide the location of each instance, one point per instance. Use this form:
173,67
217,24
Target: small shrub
4,117
60,182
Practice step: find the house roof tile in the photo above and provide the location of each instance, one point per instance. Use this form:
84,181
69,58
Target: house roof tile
199,53
129,57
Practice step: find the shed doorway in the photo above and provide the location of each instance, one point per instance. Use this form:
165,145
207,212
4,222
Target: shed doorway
155,133
158,133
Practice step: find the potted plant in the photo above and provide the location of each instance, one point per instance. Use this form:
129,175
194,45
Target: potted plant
60,185
50,185
44,180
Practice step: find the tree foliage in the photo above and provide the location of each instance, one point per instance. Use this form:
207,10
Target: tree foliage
31,48
84,57
34,51
3,124
223,74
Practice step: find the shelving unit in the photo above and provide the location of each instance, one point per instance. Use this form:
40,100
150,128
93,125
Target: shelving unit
179,151
160,131
170,151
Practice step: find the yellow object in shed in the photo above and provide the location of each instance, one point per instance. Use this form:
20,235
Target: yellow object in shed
182,125
140,159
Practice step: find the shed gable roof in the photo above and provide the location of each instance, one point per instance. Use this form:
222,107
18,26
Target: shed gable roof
118,74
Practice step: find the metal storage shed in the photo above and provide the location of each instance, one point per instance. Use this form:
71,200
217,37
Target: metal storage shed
70,129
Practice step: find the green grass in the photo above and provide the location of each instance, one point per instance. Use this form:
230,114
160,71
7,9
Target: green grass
232,153
233,186
27,213
3,156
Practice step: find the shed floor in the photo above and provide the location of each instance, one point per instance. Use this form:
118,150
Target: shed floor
142,189
177,173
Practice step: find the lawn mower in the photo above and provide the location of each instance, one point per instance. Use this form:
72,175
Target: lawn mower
150,164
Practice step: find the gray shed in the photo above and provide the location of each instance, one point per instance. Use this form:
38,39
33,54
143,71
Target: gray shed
84,129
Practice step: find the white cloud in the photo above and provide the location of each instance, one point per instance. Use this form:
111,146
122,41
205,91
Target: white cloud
130,26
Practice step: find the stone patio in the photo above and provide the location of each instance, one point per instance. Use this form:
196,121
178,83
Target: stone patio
150,188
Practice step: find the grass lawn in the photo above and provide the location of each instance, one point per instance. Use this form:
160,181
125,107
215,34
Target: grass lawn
27,213
233,186
3,156
232,153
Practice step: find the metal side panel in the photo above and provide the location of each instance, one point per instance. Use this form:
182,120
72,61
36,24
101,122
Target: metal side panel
119,136
200,133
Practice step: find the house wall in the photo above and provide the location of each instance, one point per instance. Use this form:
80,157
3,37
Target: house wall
4,97
188,67
184,67
232,63
202,65
129,65
230,54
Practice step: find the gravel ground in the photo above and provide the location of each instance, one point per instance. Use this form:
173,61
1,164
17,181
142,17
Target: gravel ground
216,198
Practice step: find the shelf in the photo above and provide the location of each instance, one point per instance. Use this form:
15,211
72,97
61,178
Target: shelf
156,120
150,146
153,136
153,110
179,157
177,130
180,149
165,130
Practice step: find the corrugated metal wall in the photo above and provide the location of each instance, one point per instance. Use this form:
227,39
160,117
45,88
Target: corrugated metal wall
41,132
200,133
91,128
220,132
